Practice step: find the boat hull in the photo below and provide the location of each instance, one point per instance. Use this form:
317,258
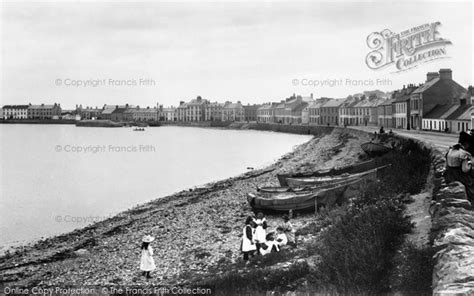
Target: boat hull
307,200
351,169
327,180
374,149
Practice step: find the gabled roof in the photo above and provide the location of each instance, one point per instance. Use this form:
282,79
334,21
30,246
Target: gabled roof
426,85
457,90
441,111
463,112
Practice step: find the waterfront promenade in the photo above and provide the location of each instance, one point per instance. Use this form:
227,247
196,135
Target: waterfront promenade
440,140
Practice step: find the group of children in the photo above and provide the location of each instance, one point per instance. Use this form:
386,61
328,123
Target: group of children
256,240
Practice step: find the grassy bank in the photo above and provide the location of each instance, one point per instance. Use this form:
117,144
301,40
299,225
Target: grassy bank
352,249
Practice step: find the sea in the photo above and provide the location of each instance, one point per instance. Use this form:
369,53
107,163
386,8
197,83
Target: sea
57,178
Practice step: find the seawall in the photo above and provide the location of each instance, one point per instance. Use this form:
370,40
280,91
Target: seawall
452,231
452,234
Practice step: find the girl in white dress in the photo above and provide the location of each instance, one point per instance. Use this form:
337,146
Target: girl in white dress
248,244
147,264
260,232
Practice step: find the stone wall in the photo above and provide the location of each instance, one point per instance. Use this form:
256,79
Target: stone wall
452,234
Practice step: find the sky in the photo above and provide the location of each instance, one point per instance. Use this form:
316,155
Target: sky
144,53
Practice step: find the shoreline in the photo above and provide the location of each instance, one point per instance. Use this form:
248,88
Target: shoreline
163,218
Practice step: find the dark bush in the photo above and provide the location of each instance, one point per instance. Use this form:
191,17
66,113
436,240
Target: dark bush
258,280
413,270
409,168
356,251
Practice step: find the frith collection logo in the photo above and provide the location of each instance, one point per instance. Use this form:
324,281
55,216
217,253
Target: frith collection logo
407,49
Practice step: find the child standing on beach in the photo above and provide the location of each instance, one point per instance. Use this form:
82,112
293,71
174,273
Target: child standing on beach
248,244
260,232
147,264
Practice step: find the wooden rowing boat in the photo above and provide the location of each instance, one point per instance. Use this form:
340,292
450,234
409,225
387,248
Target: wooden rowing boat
305,200
269,192
351,169
318,181
374,149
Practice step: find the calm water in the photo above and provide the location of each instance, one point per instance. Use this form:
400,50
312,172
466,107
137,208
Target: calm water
55,178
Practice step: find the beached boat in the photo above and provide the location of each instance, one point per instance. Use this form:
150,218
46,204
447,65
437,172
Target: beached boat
375,149
318,181
274,191
306,200
269,191
350,169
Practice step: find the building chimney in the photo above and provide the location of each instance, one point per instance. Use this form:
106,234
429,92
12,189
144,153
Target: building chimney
445,74
311,96
431,76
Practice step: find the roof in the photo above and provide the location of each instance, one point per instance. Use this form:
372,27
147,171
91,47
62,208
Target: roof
332,103
463,112
441,111
349,102
197,102
299,107
366,103
108,111
15,106
42,106
316,104
386,102
119,110
265,107
456,90
216,104
426,86
232,106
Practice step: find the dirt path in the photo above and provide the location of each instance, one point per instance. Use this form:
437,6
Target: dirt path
418,210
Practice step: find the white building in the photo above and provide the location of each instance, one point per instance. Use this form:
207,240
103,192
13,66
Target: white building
15,111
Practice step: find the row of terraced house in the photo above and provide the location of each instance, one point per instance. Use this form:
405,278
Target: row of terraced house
30,111
438,104
200,109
